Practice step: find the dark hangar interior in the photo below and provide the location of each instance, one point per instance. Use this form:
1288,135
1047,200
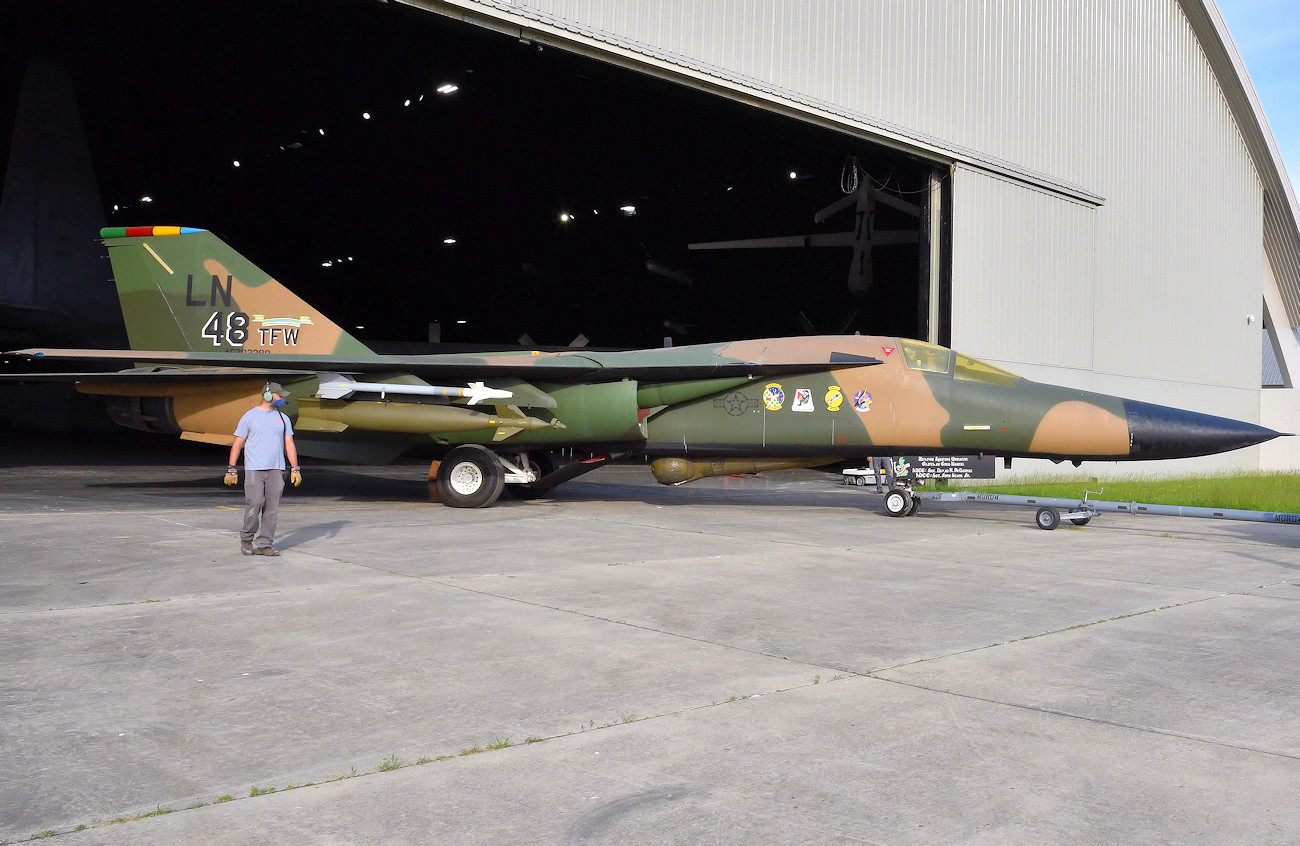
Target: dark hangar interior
547,196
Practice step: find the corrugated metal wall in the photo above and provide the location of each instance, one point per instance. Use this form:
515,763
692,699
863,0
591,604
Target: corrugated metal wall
1024,275
1114,96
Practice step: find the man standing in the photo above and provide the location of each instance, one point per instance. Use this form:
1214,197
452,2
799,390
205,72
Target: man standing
883,463
266,436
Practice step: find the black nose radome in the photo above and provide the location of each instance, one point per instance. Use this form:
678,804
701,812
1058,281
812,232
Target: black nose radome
1158,431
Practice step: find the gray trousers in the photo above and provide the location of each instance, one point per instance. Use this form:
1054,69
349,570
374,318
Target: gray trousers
885,463
262,489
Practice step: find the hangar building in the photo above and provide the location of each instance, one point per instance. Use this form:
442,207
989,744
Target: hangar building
1107,206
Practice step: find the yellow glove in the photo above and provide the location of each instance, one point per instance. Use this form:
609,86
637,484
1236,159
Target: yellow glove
295,477
232,475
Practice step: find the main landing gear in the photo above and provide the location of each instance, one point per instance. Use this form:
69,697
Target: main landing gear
473,476
470,477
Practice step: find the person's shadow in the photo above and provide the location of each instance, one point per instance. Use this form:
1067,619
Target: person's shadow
306,534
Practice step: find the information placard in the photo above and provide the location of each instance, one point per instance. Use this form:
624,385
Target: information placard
917,467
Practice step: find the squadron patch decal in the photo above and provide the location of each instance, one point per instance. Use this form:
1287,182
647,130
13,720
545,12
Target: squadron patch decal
834,398
803,400
773,397
862,402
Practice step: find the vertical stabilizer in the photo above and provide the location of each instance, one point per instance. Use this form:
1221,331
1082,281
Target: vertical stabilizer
186,289
54,286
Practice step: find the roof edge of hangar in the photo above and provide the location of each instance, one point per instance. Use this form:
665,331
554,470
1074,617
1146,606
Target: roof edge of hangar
532,24
1234,80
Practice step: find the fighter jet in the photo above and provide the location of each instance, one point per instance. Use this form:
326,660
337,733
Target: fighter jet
208,329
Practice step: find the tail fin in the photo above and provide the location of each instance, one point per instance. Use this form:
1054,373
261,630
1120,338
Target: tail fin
186,289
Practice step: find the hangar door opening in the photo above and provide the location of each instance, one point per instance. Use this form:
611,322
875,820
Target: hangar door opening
750,222
437,180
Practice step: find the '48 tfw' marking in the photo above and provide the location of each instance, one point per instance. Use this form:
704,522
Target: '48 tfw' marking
232,328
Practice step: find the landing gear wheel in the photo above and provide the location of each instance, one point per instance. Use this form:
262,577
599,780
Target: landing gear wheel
898,503
914,507
542,463
470,477
1047,518
1080,521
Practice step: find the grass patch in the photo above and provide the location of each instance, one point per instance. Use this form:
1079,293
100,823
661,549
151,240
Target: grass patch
260,791
1245,491
390,763
499,743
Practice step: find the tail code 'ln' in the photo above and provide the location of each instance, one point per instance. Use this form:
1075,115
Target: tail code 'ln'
186,289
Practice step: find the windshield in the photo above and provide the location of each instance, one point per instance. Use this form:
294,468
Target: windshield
973,370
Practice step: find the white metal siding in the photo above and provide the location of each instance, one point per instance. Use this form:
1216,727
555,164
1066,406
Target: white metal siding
1023,279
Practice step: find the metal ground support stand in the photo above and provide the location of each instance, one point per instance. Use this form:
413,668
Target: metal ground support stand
1051,510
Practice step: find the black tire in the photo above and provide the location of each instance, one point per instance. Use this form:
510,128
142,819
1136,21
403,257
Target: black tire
543,463
1081,521
860,481
914,507
1047,518
898,502
470,477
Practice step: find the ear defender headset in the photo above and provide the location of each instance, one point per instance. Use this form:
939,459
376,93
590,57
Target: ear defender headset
267,396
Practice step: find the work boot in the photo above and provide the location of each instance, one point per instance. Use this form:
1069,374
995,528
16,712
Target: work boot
266,550
246,547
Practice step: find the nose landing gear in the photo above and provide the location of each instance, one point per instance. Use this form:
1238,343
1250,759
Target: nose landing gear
900,502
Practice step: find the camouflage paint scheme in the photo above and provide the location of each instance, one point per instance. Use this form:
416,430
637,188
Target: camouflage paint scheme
207,328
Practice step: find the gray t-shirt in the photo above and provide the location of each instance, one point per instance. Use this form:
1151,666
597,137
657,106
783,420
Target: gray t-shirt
264,433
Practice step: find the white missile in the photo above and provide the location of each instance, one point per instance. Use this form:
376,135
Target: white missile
336,386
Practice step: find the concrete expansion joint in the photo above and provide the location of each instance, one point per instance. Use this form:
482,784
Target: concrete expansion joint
392,762
1075,627
1056,712
630,625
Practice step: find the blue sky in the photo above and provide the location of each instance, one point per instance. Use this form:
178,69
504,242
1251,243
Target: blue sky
1267,33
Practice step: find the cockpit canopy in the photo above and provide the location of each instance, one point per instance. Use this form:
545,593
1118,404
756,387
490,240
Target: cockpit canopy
929,358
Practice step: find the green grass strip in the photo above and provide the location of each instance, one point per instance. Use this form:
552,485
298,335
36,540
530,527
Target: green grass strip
1250,492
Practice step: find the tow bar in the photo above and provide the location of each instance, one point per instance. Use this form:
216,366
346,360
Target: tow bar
1052,510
